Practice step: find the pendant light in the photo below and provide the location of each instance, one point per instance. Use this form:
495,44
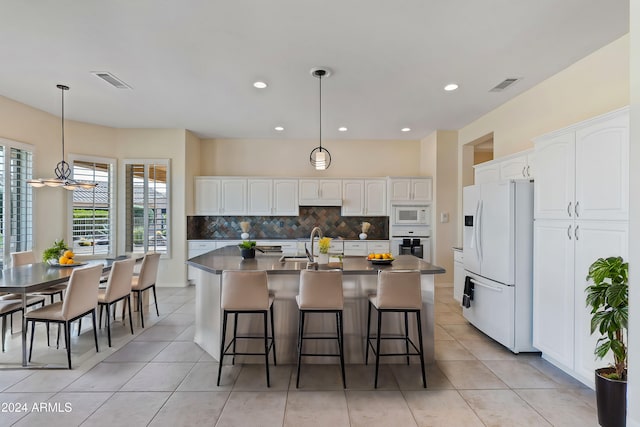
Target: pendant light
320,157
62,170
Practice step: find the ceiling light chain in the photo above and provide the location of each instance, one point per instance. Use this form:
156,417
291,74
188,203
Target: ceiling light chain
62,169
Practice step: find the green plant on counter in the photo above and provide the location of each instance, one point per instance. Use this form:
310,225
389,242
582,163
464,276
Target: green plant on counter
55,251
247,244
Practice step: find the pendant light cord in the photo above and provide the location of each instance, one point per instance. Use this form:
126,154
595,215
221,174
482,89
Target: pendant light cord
62,90
320,97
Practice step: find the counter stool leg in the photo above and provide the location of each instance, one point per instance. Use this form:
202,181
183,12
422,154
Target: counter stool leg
224,334
375,385
366,350
266,345
300,338
129,306
424,378
235,333
406,334
340,326
67,340
273,337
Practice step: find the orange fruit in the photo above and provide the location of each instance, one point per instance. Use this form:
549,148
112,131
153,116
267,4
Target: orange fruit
63,260
378,256
69,254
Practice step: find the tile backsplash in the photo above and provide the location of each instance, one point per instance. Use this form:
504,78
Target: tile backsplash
328,218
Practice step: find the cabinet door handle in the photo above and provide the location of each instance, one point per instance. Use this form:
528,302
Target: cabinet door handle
575,232
528,173
569,232
524,171
569,209
575,208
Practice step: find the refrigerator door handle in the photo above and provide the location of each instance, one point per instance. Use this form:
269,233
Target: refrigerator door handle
484,285
480,231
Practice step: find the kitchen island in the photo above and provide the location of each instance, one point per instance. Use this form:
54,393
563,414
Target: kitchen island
359,281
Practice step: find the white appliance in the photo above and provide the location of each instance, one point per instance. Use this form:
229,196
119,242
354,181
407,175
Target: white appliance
411,215
498,260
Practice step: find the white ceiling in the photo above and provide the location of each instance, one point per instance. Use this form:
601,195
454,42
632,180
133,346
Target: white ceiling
191,63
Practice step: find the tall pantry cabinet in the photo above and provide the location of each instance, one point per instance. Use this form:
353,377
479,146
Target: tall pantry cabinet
581,214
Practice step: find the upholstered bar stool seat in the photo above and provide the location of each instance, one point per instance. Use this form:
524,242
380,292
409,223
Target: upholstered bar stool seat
246,292
321,292
397,291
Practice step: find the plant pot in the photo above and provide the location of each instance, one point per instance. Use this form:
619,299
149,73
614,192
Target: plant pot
248,253
323,258
611,396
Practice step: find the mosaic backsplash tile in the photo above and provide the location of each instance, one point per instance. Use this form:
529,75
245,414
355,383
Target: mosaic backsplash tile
328,218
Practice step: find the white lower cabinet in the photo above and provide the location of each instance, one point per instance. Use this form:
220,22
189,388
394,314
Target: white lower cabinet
381,247
195,248
355,248
563,252
458,275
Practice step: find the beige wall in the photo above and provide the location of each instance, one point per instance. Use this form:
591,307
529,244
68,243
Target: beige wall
633,392
482,156
192,156
275,157
439,160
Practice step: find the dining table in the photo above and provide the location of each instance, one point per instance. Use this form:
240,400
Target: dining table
29,278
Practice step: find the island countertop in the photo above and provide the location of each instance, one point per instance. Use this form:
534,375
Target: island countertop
228,258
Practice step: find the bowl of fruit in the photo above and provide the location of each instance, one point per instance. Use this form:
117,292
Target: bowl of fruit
380,259
59,255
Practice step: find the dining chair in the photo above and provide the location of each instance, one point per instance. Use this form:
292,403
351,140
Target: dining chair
10,306
146,280
118,289
81,299
28,257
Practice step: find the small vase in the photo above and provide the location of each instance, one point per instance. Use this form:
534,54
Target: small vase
323,258
363,236
245,236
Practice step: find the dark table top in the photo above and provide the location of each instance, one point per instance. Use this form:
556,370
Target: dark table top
34,277
228,258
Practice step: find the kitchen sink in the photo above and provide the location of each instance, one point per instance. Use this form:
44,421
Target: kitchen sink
300,258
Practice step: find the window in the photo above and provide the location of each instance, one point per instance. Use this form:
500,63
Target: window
92,230
16,199
147,206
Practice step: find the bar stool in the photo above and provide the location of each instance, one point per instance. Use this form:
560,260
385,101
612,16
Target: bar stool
321,292
398,291
245,292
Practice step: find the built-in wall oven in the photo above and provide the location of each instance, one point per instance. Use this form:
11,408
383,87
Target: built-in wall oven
411,240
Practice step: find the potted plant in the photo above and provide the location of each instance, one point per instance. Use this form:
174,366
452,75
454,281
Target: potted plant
608,298
247,249
53,254
324,244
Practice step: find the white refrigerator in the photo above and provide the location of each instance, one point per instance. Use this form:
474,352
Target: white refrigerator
498,261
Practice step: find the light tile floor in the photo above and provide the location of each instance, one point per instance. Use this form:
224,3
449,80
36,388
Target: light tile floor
159,377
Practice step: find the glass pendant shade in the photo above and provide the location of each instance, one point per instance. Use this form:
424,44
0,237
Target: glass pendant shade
320,158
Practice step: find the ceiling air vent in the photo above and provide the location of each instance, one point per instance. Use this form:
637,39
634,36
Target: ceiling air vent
111,79
504,84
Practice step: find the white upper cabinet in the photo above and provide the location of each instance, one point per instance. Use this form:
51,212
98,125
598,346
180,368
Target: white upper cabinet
220,195
207,195
320,192
285,197
602,169
410,190
233,196
516,166
583,171
486,172
364,197
272,197
260,196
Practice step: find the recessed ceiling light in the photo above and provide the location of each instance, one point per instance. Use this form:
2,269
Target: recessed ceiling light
342,129
279,128
260,85
450,87
406,129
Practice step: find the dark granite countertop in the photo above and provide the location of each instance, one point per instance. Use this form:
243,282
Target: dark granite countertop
228,258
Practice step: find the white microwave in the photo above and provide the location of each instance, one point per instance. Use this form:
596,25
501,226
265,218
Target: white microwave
411,215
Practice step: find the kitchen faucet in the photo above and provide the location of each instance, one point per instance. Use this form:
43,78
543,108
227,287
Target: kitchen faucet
312,264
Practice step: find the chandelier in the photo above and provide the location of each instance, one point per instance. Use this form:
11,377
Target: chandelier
320,157
62,170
